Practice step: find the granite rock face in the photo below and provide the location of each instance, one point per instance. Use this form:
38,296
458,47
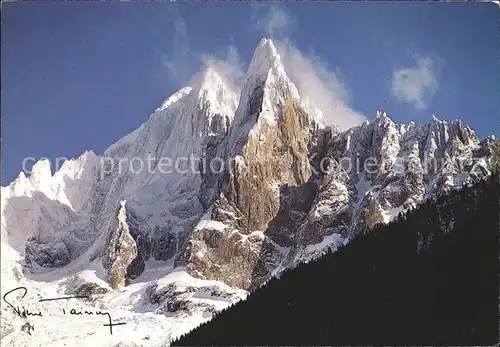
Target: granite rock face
267,150
297,188
380,169
119,251
50,255
143,244
372,173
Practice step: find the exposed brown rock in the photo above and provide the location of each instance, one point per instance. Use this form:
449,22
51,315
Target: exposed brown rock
251,199
119,251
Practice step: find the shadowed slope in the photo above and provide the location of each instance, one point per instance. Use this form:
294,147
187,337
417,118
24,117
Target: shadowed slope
428,278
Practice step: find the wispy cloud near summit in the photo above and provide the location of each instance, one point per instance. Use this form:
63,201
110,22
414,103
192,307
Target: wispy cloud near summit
317,83
272,20
184,62
228,65
416,85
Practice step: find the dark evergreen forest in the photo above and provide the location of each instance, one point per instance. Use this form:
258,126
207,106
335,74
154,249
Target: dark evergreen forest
428,278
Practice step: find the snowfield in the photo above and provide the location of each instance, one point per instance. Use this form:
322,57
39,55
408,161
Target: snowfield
147,324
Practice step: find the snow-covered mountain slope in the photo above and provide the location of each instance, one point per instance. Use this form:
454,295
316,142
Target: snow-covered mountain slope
213,190
57,226
160,304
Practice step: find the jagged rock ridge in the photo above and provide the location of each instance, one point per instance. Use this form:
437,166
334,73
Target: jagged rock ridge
271,208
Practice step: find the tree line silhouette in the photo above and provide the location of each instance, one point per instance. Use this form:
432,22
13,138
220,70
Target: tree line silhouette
428,278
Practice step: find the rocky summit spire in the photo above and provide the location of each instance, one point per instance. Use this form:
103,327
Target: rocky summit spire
271,131
265,58
266,85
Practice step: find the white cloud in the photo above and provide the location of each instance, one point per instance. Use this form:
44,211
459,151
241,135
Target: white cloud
319,85
229,66
272,20
184,63
416,85
179,59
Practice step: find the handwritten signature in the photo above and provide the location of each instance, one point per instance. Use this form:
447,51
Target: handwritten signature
23,312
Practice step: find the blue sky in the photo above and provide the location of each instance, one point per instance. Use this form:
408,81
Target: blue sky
80,75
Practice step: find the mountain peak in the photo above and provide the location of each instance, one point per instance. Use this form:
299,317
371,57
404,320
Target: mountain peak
21,180
266,47
381,114
383,120
209,79
264,59
212,87
88,155
436,119
265,84
41,169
